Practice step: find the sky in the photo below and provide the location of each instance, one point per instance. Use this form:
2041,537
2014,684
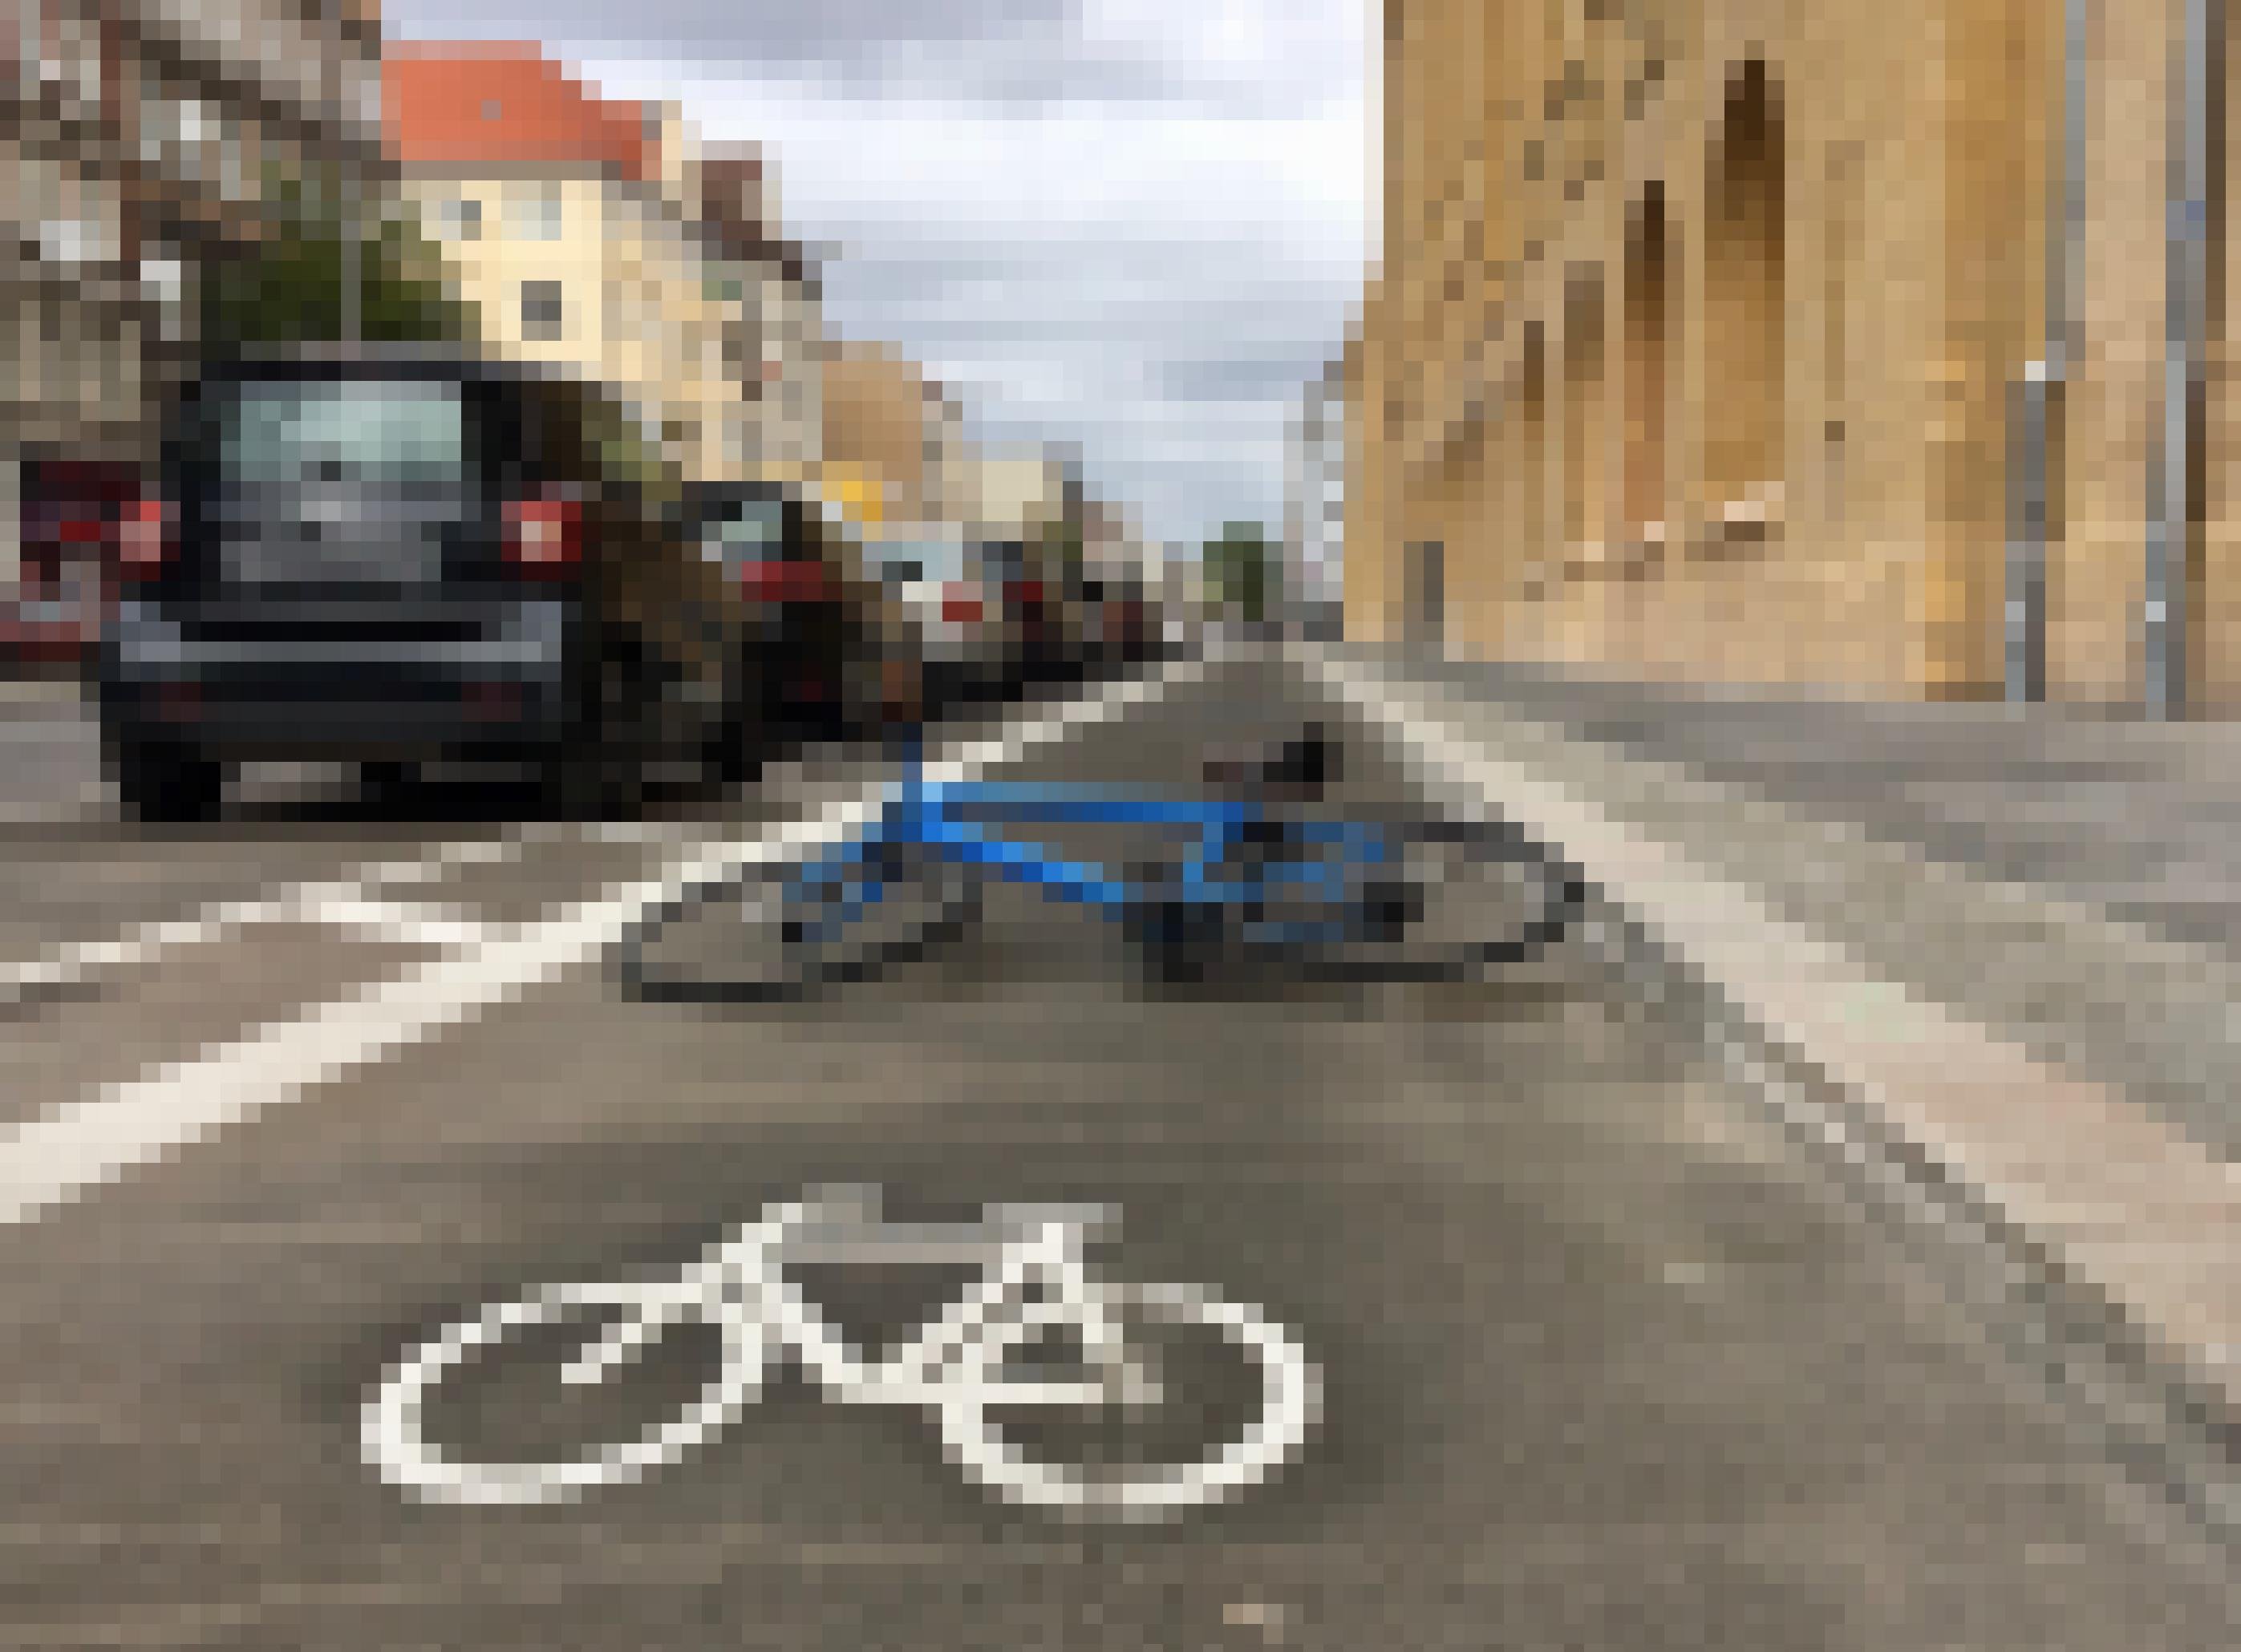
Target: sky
1134,226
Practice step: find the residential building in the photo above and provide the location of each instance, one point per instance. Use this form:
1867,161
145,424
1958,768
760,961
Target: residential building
1739,339
1010,494
739,219
1314,488
883,430
140,143
578,228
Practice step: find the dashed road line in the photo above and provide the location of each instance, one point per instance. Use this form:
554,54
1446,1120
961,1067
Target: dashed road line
92,1143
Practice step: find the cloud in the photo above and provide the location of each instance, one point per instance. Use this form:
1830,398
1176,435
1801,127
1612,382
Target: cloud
1136,226
1018,57
787,35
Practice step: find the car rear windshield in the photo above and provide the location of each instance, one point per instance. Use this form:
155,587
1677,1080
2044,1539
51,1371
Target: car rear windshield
931,561
391,432
745,531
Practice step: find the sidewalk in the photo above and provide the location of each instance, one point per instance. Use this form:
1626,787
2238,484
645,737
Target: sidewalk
1962,923
2121,839
2140,819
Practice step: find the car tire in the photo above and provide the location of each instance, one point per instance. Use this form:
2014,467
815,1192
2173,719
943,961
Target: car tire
587,774
734,751
164,784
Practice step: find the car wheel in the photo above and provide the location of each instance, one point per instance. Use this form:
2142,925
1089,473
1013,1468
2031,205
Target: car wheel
166,783
733,754
587,774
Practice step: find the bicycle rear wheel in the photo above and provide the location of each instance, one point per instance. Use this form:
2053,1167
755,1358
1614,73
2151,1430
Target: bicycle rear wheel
484,1411
773,931
1427,899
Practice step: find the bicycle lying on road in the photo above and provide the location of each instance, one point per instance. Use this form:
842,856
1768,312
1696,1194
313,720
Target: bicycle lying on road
1050,1385
1270,873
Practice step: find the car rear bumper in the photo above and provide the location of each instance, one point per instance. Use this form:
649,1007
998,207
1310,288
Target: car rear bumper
429,682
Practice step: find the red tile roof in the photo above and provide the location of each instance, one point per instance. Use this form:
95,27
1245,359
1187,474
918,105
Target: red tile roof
505,103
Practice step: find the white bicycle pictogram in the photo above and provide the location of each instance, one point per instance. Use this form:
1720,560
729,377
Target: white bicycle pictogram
1038,1338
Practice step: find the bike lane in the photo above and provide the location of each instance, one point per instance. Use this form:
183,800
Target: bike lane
1602,1363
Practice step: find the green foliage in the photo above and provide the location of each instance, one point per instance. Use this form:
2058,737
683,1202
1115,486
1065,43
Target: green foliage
287,288
1059,545
623,452
1239,565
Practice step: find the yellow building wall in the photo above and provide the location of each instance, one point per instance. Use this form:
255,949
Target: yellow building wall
637,311
1772,442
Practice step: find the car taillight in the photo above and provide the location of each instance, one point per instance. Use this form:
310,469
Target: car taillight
145,540
961,605
778,580
544,538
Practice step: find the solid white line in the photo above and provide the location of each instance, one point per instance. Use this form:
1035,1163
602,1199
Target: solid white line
89,1144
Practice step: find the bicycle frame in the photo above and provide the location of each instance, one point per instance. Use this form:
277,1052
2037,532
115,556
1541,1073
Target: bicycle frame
1033,1276
952,822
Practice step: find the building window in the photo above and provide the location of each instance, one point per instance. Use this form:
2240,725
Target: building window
537,212
459,219
541,318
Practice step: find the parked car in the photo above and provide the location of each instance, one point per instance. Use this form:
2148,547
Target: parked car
831,644
70,516
1113,621
771,556
1031,612
391,554
952,622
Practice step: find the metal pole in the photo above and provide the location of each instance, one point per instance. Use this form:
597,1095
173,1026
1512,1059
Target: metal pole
2171,489
2025,665
2039,398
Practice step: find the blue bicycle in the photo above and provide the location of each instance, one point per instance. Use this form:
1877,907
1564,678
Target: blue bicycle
1267,874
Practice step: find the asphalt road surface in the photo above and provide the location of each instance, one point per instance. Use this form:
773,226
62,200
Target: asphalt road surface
1604,1363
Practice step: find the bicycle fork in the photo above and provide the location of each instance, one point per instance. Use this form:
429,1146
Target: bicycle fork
1039,1285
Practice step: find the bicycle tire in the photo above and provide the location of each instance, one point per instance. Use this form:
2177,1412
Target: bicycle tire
790,968
1540,899
1291,1394
393,1444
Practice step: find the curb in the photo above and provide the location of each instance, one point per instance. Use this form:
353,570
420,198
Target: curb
2096,1238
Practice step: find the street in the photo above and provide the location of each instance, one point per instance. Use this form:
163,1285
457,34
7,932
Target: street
1606,1362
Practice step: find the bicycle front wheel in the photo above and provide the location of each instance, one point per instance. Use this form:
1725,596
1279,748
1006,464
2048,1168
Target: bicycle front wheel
774,932
486,1411
1218,1399
1429,900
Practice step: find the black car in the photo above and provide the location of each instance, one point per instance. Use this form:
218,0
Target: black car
393,554
830,648
801,623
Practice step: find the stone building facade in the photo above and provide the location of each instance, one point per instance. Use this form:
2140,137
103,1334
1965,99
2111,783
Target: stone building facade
1705,331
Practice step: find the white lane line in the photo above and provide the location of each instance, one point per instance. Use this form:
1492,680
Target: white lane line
442,924
92,1143
82,962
